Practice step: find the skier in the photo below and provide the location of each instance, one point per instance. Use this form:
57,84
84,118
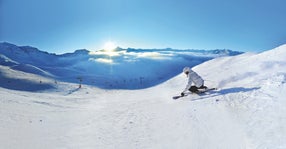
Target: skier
195,81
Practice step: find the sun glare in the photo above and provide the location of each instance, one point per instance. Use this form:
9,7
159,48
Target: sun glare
109,46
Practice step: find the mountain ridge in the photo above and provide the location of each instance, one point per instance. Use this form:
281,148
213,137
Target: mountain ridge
121,68
30,49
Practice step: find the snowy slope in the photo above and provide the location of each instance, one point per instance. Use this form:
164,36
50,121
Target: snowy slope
18,80
5,61
247,111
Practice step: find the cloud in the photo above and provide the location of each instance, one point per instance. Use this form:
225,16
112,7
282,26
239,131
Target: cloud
151,55
102,56
102,60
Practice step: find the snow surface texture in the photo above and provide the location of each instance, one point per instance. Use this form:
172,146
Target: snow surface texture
117,69
246,112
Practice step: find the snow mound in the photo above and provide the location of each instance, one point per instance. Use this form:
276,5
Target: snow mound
247,69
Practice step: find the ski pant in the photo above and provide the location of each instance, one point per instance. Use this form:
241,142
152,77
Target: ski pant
195,89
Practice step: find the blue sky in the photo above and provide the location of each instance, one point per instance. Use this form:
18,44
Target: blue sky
66,25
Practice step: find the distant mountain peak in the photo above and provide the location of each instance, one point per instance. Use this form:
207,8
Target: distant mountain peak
81,51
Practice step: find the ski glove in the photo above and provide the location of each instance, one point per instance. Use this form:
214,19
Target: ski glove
182,94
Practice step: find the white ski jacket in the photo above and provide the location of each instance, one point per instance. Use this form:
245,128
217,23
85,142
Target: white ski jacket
195,79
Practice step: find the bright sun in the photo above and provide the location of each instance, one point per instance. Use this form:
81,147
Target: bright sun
109,46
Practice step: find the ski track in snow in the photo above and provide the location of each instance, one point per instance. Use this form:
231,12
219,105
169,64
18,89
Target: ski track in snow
224,121
246,112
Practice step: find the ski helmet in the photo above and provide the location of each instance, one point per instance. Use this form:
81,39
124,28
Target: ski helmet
186,69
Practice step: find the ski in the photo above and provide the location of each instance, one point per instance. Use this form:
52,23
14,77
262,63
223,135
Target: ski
205,90
176,97
198,93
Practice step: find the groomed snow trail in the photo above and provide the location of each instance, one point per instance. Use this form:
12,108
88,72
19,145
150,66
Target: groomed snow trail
120,119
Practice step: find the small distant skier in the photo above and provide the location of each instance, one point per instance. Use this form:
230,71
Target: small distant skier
195,81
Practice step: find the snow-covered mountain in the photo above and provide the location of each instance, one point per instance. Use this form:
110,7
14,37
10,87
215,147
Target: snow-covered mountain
247,111
120,68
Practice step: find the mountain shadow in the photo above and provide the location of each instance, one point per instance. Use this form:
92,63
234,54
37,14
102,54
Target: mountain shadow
23,84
